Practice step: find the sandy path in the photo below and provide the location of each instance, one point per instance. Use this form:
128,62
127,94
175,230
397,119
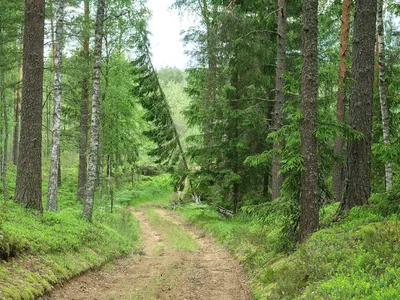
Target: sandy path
161,273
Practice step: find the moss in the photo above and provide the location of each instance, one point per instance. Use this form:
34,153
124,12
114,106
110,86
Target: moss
57,247
356,258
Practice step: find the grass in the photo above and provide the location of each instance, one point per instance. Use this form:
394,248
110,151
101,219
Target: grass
177,238
40,251
356,258
152,191
43,251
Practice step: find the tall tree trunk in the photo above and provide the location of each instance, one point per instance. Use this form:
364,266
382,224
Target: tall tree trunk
59,168
309,90
101,130
16,114
383,91
28,191
101,152
338,171
82,171
94,129
4,159
277,179
48,116
55,150
109,173
211,76
358,179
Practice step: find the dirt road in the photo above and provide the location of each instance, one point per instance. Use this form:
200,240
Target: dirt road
177,261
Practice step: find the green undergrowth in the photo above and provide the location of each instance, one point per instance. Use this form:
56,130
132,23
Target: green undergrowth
152,191
41,251
177,238
38,252
354,258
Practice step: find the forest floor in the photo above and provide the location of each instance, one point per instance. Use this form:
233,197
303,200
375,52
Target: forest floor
176,261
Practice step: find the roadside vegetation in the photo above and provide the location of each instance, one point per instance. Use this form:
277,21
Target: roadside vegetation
40,251
354,258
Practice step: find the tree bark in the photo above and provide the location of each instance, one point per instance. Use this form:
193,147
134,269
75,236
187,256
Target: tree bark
55,150
82,170
358,179
211,76
383,89
277,179
4,159
338,171
28,191
94,129
102,118
309,89
17,113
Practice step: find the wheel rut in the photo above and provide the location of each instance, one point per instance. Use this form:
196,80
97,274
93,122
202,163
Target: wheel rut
160,271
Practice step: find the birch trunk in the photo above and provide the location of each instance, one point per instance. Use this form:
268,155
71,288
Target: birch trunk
338,172
4,159
101,124
82,171
55,149
383,91
94,129
277,179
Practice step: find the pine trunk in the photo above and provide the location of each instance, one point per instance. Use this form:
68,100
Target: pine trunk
383,91
82,171
309,89
4,158
358,179
16,114
277,179
338,171
55,149
94,129
28,191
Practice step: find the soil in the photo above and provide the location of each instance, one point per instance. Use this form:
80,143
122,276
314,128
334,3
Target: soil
157,272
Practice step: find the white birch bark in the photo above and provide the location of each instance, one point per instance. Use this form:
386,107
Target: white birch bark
94,128
383,91
55,149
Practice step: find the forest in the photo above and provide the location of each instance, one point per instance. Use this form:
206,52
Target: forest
268,168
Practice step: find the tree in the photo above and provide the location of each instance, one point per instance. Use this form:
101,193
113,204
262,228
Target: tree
94,128
55,151
277,179
84,109
231,89
358,174
17,109
383,90
4,158
152,97
309,90
338,172
28,191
